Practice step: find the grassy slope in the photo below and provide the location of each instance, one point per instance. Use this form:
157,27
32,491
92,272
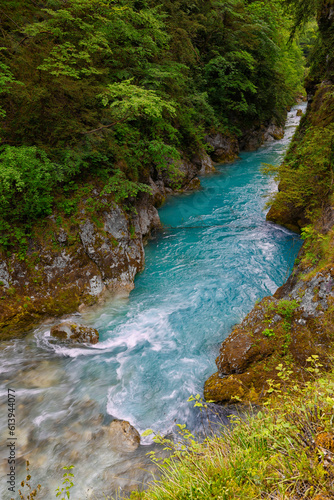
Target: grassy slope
284,452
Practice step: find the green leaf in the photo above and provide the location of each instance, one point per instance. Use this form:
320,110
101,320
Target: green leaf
148,432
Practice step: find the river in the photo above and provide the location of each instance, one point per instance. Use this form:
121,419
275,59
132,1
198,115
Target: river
215,257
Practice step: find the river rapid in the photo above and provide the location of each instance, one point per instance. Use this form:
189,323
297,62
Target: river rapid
215,256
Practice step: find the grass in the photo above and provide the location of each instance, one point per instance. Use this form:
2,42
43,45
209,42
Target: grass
284,451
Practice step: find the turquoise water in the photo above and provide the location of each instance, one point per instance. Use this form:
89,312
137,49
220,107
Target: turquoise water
214,258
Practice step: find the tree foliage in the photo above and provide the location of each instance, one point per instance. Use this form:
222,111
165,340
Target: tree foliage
127,80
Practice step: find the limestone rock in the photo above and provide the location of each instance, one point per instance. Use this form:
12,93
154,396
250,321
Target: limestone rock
122,436
274,132
225,148
148,219
73,333
116,224
62,237
204,163
4,275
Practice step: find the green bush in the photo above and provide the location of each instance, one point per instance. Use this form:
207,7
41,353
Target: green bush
27,180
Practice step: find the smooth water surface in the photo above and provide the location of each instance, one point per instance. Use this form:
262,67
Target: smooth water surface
215,257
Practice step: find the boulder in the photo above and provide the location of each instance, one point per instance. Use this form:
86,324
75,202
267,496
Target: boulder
239,350
73,333
273,132
203,162
299,112
122,436
225,148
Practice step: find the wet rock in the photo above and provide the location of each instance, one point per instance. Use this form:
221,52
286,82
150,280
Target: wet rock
273,132
148,219
122,436
299,112
194,184
73,333
253,138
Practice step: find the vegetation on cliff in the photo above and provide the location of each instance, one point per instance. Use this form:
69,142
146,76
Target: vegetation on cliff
113,89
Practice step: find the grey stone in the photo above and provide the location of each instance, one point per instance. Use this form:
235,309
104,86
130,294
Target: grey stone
62,236
224,147
122,436
4,275
116,223
87,234
148,218
96,285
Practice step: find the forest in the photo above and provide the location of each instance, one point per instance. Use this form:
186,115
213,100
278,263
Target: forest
108,90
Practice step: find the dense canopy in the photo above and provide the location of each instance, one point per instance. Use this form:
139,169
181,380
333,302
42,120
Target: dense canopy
115,87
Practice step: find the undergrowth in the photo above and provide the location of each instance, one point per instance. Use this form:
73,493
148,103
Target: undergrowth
284,451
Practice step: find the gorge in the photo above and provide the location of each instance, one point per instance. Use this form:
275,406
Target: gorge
215,256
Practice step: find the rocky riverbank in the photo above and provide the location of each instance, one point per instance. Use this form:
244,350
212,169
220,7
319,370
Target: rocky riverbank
285,331
75,262
72,263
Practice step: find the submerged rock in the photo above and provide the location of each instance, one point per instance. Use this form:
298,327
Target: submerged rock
42,376
73,333
122,436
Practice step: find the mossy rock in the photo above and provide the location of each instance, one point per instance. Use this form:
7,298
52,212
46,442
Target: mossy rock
73,333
